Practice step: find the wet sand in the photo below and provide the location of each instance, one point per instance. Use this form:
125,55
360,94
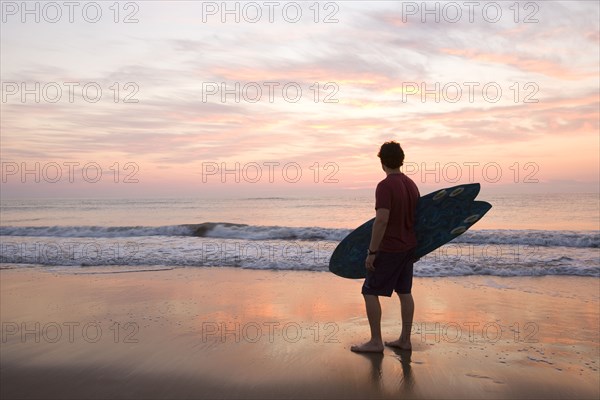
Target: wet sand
232,333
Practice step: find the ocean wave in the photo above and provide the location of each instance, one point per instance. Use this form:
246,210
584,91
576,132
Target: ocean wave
104,254
590,239
96,231
224,230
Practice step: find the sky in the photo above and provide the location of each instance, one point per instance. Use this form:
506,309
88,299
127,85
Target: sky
182,98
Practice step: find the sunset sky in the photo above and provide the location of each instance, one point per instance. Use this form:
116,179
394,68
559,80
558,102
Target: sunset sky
369,60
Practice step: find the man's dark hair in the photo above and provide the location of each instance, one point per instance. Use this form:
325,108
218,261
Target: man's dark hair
391,154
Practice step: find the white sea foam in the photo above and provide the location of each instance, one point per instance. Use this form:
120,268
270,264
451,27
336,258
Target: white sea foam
455,259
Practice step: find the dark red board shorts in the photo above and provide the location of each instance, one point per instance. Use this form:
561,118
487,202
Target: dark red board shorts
393,272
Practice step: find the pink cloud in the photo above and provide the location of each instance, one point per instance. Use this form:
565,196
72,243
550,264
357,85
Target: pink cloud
524,63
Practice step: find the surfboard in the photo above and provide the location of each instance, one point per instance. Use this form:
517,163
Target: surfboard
440,217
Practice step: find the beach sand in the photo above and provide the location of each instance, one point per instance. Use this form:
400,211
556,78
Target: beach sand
233,333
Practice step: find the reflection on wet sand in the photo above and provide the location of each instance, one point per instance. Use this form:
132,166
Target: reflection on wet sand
175,358
406,383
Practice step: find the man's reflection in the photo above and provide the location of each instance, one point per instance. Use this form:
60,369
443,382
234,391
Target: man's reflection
404,356
407,376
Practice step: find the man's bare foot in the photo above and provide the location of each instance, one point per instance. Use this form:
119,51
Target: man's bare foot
404,345
369,347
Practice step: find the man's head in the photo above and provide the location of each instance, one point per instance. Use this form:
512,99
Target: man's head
391,155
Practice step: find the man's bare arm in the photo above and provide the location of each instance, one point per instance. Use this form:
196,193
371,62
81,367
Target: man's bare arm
381,220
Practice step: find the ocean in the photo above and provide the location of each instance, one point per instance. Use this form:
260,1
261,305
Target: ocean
523,235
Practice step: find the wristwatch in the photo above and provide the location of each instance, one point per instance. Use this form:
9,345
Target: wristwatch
371,252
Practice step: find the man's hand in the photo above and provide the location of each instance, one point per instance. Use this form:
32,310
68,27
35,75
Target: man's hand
369,262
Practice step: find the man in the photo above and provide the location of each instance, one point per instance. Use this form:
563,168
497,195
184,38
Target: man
389,261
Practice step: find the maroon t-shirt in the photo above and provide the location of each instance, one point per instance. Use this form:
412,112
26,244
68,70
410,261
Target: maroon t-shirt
399,194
